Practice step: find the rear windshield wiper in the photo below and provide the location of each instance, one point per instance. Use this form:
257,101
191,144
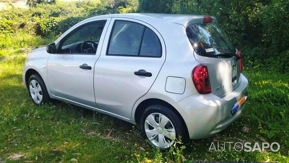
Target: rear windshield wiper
228,55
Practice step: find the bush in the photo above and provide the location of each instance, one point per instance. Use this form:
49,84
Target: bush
156,6
256,27
44,19
276,34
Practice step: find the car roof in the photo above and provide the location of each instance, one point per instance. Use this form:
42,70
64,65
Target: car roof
158,17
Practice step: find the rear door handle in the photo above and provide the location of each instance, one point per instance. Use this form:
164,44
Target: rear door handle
143,73
85,67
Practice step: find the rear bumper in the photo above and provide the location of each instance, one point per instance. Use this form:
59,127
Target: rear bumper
206,115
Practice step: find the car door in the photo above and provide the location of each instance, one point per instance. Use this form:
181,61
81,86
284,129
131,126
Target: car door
70,71
128,65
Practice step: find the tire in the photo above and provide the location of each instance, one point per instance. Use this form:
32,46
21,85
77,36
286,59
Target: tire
161,126
37,90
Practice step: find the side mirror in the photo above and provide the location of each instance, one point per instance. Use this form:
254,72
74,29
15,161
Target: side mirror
51,48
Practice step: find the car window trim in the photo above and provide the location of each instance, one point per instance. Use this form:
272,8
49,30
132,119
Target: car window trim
142,36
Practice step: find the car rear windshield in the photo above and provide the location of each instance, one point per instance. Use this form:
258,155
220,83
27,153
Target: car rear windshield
209,40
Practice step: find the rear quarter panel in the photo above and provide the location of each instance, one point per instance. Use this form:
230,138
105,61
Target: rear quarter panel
180,62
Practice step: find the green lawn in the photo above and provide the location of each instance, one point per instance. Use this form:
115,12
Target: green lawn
64,133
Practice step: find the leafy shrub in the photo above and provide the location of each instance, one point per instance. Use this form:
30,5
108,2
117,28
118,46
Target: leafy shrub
276,34
256,27
156,6
44,19
33,3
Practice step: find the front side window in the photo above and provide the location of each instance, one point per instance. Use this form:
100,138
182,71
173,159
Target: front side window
209,40
83,40
133,39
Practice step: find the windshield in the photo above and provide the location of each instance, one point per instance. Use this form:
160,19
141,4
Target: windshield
209,40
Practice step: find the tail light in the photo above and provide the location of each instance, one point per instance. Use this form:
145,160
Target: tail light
200,77
240,61
207,19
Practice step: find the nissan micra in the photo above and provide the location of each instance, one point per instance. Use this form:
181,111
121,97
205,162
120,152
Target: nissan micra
175,76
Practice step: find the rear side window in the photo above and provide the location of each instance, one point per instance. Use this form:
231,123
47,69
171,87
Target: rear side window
209,40
133,39
151,45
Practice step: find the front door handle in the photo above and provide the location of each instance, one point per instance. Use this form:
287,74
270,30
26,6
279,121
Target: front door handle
85,67
143,73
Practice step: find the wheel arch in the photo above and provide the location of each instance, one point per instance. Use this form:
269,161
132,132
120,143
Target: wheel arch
30,72
148,102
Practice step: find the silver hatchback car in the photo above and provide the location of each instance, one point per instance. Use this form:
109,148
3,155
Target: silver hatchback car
176,76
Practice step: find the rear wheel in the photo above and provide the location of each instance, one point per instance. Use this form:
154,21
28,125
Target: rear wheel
162,126
37,90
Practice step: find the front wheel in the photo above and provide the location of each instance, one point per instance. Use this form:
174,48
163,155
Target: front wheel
37,90
162,126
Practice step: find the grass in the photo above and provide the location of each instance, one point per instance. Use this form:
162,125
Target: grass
65,133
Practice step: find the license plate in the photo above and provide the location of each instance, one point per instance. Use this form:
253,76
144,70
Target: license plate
238,104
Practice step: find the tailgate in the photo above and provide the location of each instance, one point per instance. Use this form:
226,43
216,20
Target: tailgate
224,74
213,49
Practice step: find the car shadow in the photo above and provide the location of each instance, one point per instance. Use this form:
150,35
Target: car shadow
113,127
